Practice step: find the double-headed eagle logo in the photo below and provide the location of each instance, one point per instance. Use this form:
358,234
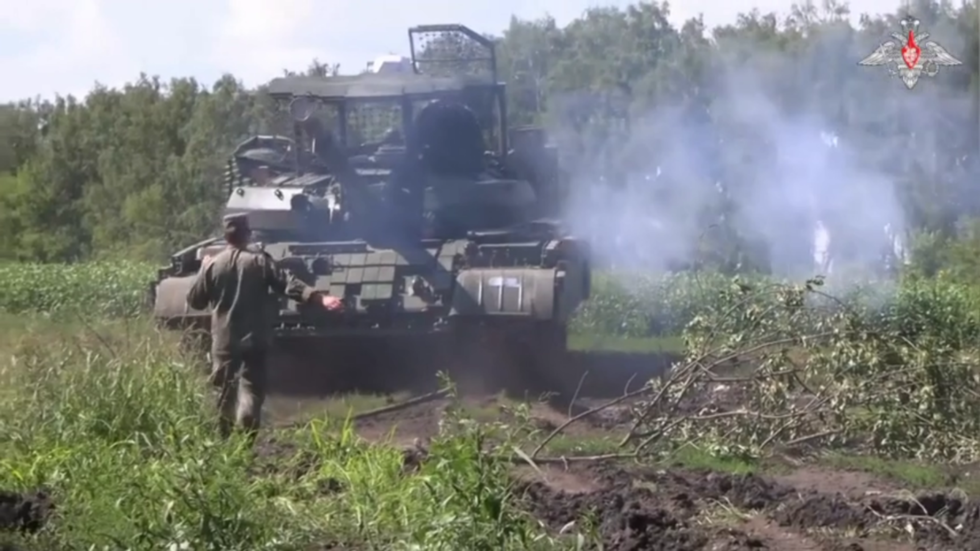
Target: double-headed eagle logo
912,56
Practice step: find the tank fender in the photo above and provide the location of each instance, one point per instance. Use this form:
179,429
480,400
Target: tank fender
171,299
518,292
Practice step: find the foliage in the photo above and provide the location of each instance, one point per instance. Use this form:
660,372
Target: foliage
889,366
646,305
643,305
120,433
780,365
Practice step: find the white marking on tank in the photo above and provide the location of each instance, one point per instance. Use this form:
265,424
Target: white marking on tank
520,295
500,298
505,282
511,282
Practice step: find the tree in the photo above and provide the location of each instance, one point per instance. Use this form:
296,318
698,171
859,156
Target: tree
682,123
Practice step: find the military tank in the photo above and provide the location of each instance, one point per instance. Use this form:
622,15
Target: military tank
448,252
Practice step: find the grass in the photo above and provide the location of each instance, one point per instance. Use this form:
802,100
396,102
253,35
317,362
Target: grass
668,344
915,475
339,407
693,457
918,475
119,426
688,457
911,475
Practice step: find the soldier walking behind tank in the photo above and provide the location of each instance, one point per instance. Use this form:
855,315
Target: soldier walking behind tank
235,285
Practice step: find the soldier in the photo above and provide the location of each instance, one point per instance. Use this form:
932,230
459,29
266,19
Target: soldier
235,284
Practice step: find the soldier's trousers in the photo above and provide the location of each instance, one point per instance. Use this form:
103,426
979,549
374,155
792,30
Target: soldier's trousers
241,381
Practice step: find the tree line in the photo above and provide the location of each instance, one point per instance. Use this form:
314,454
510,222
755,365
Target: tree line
744,126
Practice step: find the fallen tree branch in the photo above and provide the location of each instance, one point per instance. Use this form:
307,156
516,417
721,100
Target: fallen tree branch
811,438
401,405
578,389
568,459
642,417
585,414
913,518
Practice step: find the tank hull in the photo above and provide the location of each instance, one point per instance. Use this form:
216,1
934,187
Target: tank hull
491,313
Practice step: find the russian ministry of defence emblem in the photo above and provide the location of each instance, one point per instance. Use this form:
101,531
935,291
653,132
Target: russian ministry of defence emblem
911,56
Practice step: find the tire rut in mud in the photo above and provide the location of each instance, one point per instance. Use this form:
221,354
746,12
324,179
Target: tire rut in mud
940,521
660,511
657,513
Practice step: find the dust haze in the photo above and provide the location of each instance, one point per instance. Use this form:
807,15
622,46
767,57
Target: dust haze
798,157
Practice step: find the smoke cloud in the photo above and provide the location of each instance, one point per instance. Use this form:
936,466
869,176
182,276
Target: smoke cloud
802,155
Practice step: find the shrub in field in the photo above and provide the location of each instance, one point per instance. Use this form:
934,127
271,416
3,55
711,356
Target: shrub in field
96,288
630,305
645,305
612,310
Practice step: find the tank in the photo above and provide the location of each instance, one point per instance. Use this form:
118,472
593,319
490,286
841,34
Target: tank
406,196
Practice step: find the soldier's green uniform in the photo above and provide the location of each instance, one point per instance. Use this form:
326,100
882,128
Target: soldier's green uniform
235,286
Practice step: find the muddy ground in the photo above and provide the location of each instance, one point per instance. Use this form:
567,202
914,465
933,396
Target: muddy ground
806,506
671,508
674,508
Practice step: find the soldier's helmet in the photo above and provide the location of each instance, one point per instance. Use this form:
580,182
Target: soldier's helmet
237,221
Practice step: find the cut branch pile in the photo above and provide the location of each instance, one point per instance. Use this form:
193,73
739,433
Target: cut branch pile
791,367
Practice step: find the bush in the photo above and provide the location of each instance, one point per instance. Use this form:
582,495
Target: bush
636,305
643,305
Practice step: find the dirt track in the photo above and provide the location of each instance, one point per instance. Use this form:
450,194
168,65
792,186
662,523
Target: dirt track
680,509
802,508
